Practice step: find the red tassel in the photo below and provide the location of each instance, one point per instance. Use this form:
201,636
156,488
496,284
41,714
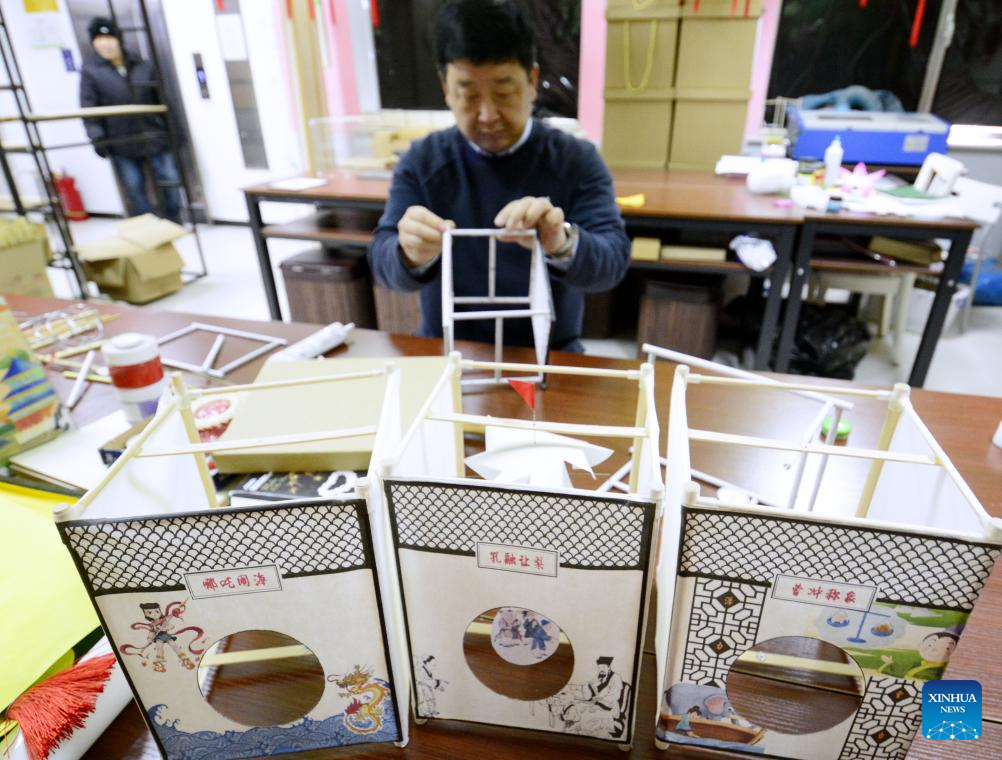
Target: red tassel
913,41
863,3
50,711
526,390
374,5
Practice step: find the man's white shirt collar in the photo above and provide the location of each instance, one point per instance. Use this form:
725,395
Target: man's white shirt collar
507,151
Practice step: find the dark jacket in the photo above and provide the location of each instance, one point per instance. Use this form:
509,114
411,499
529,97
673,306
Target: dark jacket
102,85
444,174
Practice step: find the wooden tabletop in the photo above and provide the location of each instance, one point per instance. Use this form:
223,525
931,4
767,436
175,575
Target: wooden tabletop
962,424
668,194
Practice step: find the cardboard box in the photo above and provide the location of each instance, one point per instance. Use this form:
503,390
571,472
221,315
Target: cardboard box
139,264
23,269
645,249
640,47
708,124
692,253
637,131
716,45
920,252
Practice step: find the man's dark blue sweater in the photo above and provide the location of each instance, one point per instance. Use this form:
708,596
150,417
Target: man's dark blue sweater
446,175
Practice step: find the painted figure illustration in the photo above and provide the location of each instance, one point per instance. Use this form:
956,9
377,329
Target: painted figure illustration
703,715
159,625
599,707
912,643
523,637
364,715
428,683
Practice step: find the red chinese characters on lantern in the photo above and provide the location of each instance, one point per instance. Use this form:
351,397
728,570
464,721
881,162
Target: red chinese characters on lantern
520,559
823,592
243,580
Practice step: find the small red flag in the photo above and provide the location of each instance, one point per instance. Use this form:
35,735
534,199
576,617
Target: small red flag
526,390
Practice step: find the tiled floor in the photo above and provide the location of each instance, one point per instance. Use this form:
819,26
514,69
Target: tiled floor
968,362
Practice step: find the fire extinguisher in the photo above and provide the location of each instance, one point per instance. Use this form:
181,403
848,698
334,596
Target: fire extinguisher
69,196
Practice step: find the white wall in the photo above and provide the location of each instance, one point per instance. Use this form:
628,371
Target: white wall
38,40
212,123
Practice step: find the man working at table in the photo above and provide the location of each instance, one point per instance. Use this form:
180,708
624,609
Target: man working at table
498,168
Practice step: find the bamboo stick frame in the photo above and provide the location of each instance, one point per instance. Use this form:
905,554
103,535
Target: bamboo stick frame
539,290
644,433
829,402
899,405
268,343
646,429
180,402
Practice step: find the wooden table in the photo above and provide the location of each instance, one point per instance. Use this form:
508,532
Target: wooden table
674,201
962,424
957,231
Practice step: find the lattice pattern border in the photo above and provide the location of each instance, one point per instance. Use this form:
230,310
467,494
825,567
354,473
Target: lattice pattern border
723,623
886,722
147,554
588,532
908,569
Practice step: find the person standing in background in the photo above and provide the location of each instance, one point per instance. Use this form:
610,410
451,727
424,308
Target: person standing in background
112,76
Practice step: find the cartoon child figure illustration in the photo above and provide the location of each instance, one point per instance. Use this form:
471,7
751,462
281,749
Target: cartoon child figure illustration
935,651
159,625
684,726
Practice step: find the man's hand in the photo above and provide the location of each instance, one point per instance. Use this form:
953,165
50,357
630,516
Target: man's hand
534,213
420,234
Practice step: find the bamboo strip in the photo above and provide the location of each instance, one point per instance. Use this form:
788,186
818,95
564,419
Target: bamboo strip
562,428
777,386
257,443
709,436
211,659
199,392
132,450
91,377
553,369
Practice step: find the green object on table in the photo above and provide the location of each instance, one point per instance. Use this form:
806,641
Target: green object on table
841,433
911,193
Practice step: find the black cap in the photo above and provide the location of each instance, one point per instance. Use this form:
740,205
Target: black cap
99,25
603,661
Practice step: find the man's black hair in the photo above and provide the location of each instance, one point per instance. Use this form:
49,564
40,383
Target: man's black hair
149,606
99,25
484,31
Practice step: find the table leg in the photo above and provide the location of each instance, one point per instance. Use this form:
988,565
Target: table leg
263,257
784,255
959,242
801,271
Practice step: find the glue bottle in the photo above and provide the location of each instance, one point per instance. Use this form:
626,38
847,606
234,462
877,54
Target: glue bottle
834,154
133,361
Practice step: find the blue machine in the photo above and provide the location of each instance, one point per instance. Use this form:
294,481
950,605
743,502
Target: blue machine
875,137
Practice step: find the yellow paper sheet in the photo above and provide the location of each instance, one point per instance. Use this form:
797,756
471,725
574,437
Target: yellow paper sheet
44,608
638,200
